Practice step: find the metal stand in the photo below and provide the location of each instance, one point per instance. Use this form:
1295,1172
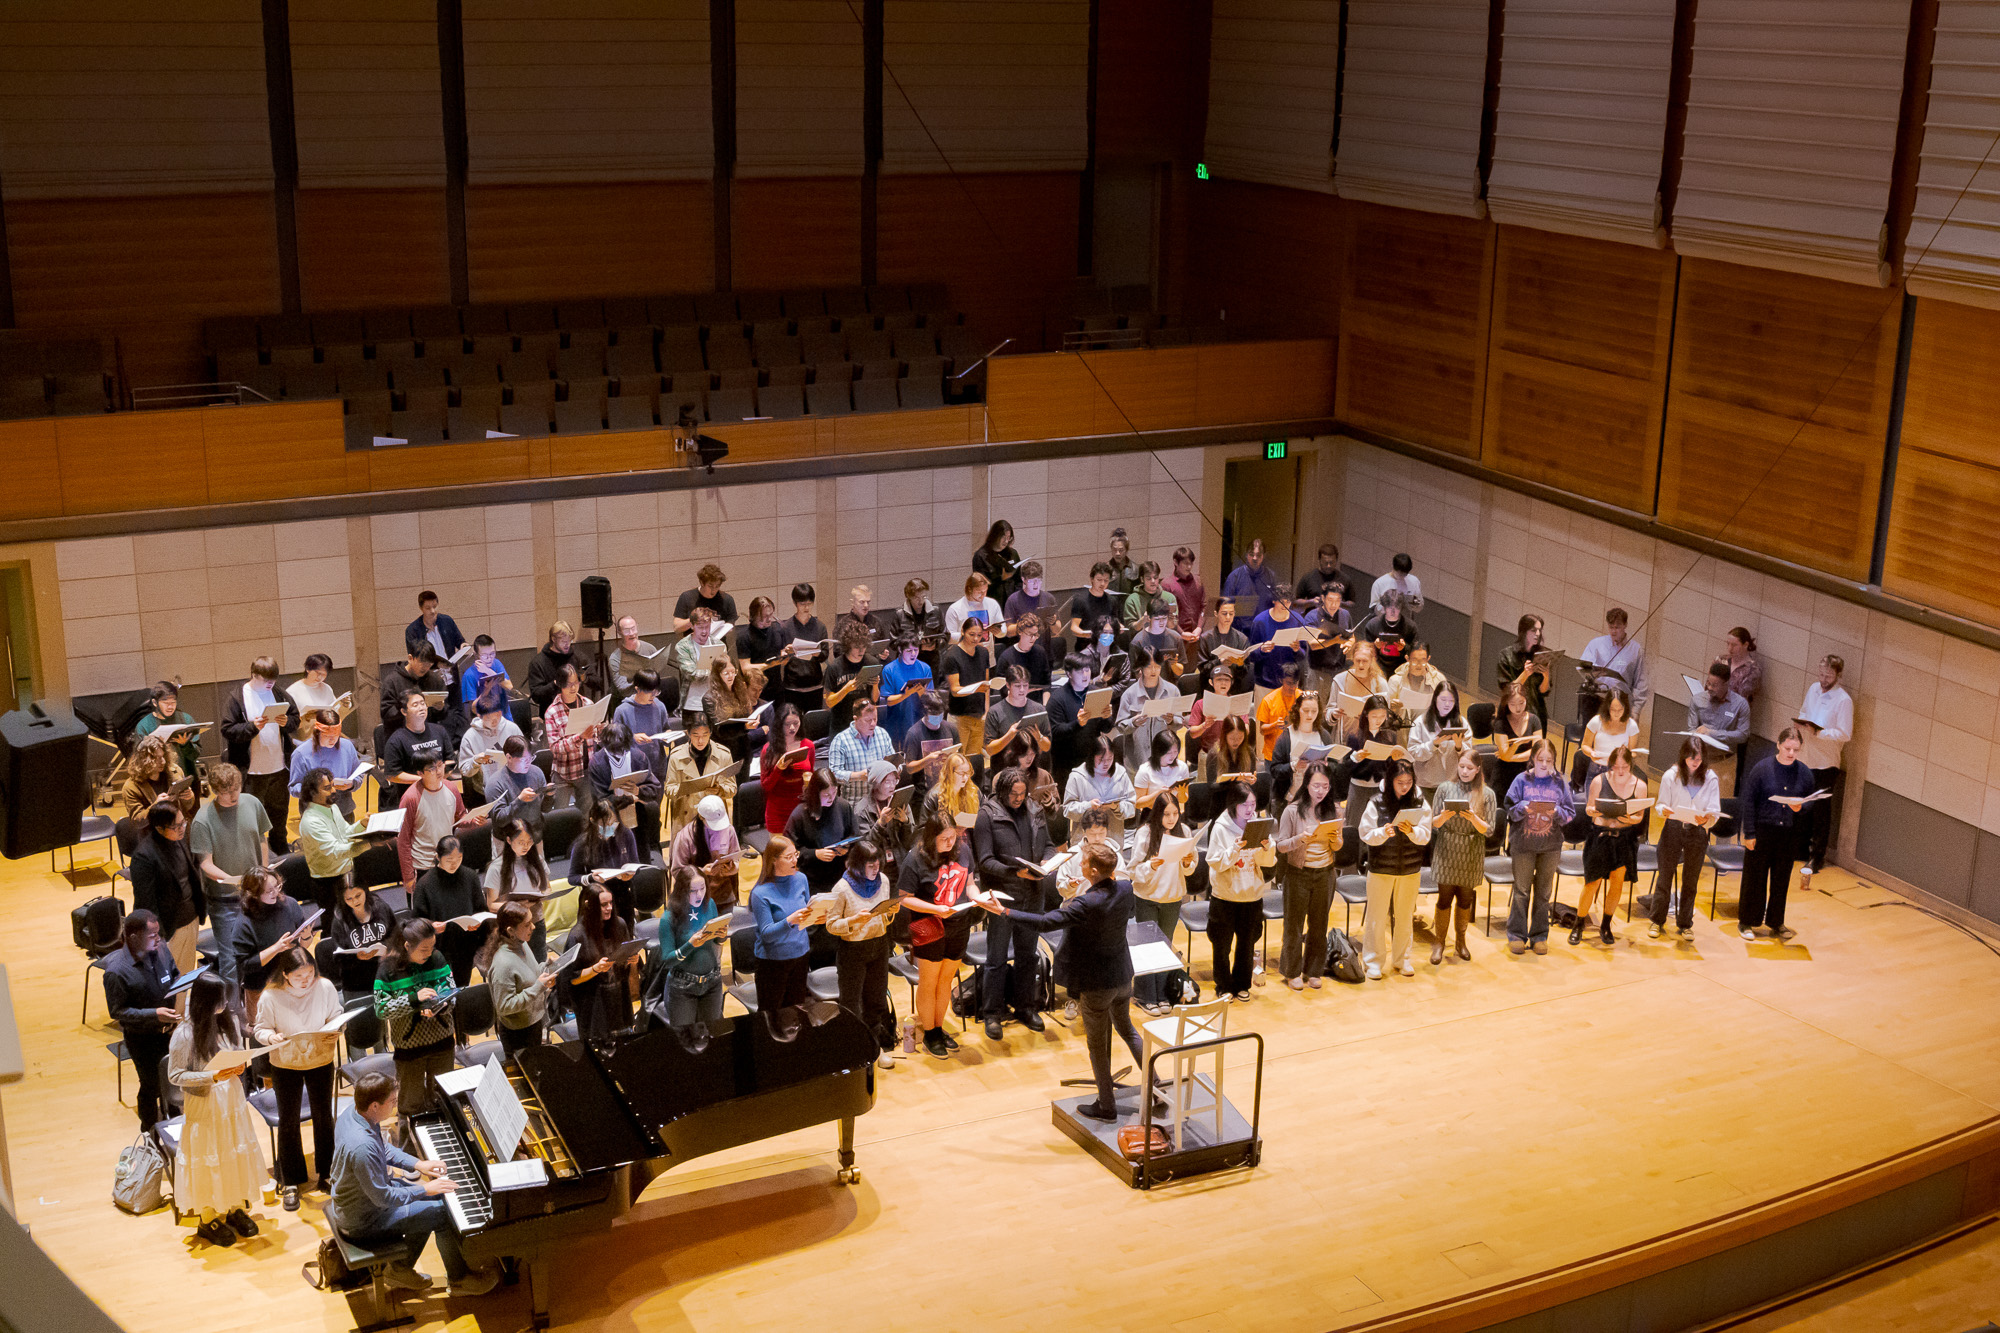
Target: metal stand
1239,1144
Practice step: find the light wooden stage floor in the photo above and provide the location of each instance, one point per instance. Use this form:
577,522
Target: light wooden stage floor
1424,1139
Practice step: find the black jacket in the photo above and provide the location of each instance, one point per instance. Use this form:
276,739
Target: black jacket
834,824
645,759
135,987
397,682
1001,835
239,728
545,674
447,630
166,883
1094,954
255,934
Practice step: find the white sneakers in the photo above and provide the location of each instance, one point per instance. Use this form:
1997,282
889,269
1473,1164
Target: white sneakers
1409,969
1653,932
885,1061
1374,972
1749,934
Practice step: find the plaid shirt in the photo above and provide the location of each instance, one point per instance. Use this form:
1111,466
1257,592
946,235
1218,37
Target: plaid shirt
568,755
850,755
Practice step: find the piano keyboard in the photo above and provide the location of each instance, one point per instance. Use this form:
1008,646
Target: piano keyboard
470,1206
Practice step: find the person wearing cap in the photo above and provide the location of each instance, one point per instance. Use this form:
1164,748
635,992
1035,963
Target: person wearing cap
704,841
854,751
482,750
326,748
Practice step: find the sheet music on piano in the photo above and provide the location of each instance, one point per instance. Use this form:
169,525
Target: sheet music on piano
494,1101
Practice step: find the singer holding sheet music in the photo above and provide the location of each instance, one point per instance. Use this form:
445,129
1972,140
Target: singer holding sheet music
359,928
1611,844
517,978
1723,716
1826,724
167,712
1691,800
777,904
1148,688
263,750
1518,666
1009,832
802,673
151,776
219,1169
1437,738
600,982
1159,880
1309,833
1396,826
272,923
932,880
569,746
1769,824
820,827
298,1005
784,764
412,996
1539,805
137,977
1458,850
691,973
861,958
1235,891
447,891
1307,727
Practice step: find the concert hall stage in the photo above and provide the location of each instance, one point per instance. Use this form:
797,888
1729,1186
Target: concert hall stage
1486,1140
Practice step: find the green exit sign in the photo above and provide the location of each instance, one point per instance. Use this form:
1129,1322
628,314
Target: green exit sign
1274,449
1201,171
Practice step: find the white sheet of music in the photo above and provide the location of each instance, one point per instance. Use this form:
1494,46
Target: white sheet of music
499,1109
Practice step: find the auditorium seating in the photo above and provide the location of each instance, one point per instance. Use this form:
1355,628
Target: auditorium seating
617,363
42,377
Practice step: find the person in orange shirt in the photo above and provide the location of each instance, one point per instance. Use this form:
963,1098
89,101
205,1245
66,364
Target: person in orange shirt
1274,708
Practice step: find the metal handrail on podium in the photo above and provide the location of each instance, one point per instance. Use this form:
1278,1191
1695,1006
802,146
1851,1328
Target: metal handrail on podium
1253,1146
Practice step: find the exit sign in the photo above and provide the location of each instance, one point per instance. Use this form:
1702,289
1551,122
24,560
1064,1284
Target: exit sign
1274,449
1201,171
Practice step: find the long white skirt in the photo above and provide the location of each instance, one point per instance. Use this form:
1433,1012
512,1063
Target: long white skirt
221,1163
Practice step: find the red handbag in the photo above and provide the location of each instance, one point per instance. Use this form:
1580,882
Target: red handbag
951,884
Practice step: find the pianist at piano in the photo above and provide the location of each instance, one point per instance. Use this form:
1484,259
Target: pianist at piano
368,1203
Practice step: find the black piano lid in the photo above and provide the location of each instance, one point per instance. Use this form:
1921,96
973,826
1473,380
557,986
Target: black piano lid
664,1075
585,1109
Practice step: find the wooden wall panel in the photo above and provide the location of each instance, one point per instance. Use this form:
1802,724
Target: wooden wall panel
1946,508
131,460
1413,319
1004,243
1777,413
274,451
1061,394
34,488
1581,339
940,428
794,233
146,271
399,468
1150,107
619,451
527,242
372,248
1264,261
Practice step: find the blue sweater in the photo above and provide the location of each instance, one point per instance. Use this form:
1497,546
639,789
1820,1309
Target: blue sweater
1526,788
1768,778
1271,663
770,903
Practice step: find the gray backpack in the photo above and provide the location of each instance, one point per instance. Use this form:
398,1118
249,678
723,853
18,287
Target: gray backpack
139,1185
1343,960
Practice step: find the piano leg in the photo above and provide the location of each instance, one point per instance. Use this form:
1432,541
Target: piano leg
849,1172
536,1270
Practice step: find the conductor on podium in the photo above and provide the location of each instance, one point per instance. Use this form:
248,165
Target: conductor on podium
1096,963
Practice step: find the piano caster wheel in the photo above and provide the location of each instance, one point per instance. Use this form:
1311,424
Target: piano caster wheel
848,1175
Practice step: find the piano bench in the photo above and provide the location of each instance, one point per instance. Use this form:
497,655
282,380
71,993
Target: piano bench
374,1258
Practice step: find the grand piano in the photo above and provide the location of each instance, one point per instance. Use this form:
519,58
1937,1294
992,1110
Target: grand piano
558,1141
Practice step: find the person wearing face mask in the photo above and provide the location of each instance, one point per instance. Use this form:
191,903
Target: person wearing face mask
432,810
1029,596
862,955
906,677
484,673
697,758
515,788
1027,652
136,978
601,857
1103,647
621,758
923,744
821,828
298,1002
1148,688
326,748
1236,891
519,979
545,669
481,751
1770,831
445,892
1539,804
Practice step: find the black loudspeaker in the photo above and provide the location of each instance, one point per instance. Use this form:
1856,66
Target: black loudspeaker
43,787
597,602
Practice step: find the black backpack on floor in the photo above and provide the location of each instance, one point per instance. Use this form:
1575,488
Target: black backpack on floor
1343,959
95,925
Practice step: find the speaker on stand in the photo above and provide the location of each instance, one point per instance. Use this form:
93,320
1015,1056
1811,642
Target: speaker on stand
595,595
43,757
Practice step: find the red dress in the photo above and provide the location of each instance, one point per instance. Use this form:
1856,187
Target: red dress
783,785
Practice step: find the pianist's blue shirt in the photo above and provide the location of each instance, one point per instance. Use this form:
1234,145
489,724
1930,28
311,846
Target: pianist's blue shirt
365,1198
770,903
